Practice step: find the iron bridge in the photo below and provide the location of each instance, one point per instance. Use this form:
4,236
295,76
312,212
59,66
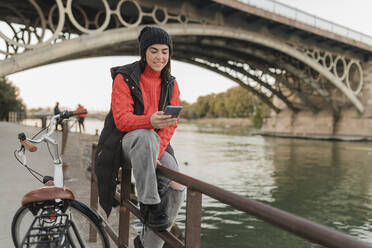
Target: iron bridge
270,49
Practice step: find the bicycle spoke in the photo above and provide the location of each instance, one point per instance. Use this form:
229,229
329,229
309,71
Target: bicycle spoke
76,234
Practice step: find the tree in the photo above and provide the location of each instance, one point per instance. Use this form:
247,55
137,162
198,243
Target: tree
187,112
204,105
219,107
236,102
261,111
9,99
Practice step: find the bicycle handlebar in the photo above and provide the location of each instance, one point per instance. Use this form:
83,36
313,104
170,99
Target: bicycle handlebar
68,114
27,144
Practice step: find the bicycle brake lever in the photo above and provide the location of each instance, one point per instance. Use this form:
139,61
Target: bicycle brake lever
21,136
20,155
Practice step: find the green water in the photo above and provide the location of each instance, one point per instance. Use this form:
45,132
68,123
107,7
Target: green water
324,181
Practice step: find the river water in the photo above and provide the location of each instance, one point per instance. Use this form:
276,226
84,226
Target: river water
327,182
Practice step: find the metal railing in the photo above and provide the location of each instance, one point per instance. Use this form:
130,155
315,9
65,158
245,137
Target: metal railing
309,19
298,226
16,116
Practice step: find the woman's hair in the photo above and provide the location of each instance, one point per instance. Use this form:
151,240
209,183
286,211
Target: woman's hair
165,72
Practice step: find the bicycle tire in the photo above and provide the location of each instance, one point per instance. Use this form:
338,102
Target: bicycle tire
81,218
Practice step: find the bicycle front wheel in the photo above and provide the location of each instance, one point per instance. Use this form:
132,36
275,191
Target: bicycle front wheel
84,227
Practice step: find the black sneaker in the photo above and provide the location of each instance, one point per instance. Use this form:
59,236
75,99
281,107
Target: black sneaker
154,216
137,242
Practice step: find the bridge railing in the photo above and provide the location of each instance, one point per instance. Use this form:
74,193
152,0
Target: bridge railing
309,19
298,226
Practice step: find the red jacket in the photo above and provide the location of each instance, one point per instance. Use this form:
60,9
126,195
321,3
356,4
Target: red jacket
122,105
81,108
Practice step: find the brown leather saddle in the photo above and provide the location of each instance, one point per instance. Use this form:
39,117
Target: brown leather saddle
48,193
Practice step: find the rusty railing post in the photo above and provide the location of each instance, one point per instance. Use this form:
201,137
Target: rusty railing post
64,136
193,218
126,177
93,193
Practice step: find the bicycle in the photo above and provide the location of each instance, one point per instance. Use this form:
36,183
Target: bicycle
50,216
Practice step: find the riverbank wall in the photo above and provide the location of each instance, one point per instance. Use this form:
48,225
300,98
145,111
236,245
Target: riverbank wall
344,124
348,126
225,122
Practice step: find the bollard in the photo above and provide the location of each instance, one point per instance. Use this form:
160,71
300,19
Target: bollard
43,122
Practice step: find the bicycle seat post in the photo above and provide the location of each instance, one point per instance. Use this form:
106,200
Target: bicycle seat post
58,171
58,174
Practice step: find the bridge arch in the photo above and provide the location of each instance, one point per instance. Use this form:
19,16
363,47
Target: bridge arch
125,38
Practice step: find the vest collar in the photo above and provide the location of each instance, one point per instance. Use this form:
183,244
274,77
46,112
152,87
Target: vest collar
133,70
135,74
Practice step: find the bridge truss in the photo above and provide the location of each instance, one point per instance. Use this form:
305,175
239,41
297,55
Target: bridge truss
283,66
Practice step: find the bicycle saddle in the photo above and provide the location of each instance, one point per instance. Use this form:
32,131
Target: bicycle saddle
48,193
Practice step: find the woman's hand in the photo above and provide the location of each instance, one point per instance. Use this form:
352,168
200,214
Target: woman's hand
160,120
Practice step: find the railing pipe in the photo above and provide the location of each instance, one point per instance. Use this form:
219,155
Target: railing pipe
126,207
93,194
64,136
311,231
193,218
340,29
124,218
165,235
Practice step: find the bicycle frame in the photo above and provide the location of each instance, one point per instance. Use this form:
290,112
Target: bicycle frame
57,160
51,215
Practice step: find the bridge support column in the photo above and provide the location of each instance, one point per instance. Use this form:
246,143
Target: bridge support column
349,124
304,124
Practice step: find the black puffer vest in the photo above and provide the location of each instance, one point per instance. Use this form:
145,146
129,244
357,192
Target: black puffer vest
108,158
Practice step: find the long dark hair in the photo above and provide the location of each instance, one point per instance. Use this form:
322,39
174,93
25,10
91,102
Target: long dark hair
165,72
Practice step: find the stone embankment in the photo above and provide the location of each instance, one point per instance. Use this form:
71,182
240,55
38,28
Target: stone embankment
225,122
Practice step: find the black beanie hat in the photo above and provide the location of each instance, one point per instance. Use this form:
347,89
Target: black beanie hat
154,35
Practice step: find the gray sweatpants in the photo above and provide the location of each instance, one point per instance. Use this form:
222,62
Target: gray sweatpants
141,149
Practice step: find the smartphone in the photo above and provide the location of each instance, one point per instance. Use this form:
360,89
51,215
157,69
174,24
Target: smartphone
174,111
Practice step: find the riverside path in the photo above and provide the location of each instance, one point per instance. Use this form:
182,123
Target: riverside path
15,180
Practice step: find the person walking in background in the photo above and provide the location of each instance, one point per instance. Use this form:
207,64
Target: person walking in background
138,133
81,118
56,112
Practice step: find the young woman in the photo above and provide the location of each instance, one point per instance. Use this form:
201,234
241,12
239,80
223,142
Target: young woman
140,93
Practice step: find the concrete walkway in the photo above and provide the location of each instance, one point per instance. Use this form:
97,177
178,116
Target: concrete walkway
15,180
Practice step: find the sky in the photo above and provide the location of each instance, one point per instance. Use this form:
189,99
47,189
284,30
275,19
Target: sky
88,81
